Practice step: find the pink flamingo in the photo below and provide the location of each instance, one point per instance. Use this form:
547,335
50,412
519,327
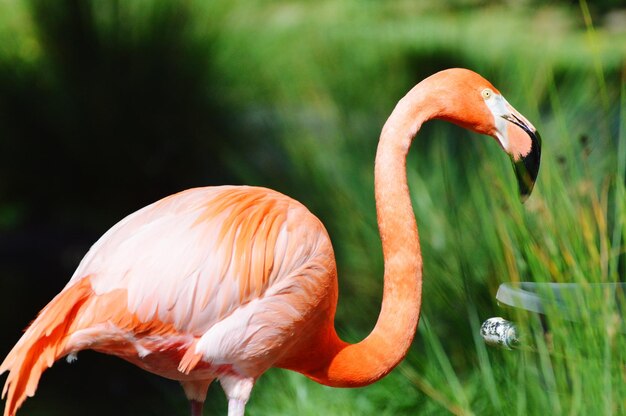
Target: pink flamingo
226,282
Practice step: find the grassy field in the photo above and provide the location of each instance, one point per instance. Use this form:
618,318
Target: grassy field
310,86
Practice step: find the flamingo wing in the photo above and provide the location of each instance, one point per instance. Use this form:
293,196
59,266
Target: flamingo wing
222,263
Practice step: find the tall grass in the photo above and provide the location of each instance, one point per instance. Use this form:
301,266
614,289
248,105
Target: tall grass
336,76
319,80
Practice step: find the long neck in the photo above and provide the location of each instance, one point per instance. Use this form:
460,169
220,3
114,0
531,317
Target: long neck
353,365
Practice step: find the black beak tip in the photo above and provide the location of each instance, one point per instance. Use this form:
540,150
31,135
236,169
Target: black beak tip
527,167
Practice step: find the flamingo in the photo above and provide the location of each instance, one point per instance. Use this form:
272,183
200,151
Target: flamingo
226,282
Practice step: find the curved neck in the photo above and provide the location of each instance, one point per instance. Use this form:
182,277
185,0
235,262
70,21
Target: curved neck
353,365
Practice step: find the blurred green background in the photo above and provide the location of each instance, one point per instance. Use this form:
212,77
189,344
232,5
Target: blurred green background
106,106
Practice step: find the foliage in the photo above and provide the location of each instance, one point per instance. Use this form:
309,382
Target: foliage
104,108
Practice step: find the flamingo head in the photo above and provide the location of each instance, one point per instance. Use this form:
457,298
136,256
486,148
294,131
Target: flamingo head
517,136
469,100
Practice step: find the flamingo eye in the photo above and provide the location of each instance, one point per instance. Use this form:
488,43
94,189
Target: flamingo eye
486,93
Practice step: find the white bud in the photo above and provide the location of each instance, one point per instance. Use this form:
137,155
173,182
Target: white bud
499,332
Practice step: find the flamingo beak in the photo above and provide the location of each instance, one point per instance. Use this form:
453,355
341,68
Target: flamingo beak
519,138
526,167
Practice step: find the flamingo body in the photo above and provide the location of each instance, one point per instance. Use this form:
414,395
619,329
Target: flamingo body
233,267
226,282
207,283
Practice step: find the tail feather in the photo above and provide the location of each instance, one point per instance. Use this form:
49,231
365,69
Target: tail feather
41,345
190,360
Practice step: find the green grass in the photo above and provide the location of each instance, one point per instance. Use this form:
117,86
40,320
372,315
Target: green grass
313,84
332,95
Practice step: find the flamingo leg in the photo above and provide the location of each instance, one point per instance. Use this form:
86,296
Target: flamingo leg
237,391
236,407
196,407
196,393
